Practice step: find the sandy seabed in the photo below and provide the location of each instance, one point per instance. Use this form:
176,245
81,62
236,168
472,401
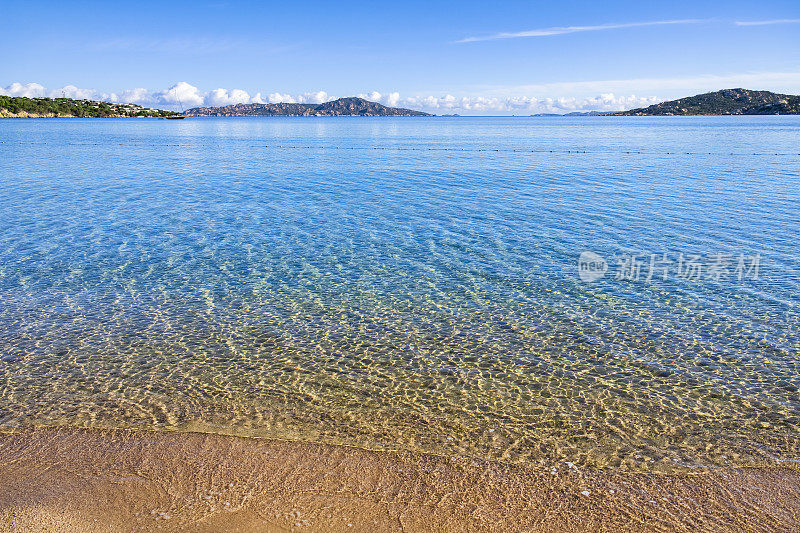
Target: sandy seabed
81,480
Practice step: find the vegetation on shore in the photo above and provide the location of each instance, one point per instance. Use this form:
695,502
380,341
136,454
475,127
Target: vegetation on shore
725,102
20,106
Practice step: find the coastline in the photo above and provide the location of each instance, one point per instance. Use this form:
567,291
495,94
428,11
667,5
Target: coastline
25,114
64,479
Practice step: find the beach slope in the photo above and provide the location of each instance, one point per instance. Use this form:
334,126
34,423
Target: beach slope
93,480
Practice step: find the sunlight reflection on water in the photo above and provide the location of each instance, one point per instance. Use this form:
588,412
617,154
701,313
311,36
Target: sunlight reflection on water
338,280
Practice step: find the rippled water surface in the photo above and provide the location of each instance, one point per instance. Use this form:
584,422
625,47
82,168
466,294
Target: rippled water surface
409,283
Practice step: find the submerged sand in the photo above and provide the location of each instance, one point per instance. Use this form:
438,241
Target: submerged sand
91,480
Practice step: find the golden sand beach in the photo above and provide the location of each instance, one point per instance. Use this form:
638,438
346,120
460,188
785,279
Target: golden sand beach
76,480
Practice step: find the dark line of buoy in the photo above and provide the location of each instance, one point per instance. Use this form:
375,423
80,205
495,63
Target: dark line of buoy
400,148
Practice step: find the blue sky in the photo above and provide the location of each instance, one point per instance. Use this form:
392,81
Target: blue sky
469,57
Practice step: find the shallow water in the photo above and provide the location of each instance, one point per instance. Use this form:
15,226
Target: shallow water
409,283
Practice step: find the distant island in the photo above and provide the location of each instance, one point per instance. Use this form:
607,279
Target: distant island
572,114
725,102
22,107
343,107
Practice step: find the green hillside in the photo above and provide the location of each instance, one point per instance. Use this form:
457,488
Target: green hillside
19,106
725,102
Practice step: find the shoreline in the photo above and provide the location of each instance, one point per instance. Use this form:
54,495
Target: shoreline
65,479
24,115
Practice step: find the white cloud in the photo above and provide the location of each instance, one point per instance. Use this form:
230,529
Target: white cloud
374,96
70,91
318,97
181,94
29,90
388,99
545,32
222,97
277,98
35,90
133,96
524,105
564,97
767,22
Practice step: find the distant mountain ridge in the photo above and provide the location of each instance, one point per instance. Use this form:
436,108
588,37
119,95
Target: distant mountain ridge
572,114
724,102
343,107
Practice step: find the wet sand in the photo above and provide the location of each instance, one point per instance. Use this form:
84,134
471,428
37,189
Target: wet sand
91,480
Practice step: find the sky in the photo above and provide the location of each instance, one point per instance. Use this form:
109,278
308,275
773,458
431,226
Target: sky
472,58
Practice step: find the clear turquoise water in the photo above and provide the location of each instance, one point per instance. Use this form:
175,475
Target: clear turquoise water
406,283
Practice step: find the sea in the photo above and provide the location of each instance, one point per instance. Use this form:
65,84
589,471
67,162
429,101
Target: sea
616,292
